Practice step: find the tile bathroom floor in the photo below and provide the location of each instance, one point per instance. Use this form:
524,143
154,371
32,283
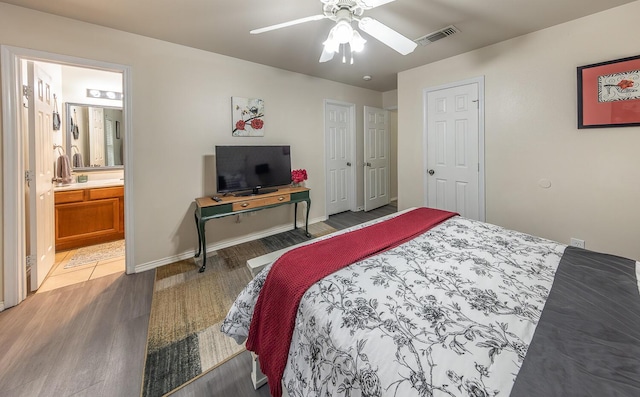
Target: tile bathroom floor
60,277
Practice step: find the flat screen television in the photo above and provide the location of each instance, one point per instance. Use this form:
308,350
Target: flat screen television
252,169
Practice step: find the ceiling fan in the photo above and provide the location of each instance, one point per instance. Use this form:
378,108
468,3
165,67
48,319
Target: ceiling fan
343,12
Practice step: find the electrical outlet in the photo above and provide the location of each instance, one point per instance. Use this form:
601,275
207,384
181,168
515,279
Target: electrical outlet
576,242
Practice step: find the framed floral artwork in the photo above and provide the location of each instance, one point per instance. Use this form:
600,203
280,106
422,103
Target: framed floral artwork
609,94
247,116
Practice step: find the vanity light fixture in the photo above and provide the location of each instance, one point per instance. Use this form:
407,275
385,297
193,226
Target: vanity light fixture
93,93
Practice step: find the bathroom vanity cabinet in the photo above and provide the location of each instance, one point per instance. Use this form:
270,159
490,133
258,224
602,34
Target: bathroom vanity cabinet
88,216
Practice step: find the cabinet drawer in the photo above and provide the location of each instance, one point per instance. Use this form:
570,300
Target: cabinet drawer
106,192
260,202
70,196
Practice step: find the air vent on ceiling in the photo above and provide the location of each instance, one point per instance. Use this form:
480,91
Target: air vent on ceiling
437,35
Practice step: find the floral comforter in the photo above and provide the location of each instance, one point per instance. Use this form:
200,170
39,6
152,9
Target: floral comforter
450,313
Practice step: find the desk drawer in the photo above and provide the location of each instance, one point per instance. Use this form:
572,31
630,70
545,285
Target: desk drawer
215,210
300,195
261,202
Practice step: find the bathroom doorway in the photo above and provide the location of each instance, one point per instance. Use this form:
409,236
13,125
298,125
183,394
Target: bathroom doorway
16,210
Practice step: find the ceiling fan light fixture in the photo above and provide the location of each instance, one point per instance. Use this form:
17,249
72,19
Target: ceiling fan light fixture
342,32
357,42
331,44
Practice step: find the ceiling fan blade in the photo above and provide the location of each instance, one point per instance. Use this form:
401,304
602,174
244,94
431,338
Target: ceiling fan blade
290,23
387,35
369,4
326,55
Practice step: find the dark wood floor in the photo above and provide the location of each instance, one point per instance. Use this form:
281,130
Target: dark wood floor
89,339
348,219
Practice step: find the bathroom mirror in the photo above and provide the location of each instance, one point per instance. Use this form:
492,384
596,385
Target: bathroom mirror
95,136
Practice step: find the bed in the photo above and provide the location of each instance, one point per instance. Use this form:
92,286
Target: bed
464,308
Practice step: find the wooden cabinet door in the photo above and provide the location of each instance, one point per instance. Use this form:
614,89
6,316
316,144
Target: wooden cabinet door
97,219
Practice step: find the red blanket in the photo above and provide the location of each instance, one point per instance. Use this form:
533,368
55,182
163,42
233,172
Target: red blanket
294,272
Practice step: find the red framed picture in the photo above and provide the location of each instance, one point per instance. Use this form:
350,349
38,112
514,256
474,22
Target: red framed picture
609,94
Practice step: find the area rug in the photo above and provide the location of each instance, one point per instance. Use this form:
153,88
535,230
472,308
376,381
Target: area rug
184,339
95,253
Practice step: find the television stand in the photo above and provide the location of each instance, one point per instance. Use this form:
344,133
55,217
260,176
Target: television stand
256,191
208,208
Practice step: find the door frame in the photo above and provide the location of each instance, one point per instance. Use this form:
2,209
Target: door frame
352,141
481,160
13,167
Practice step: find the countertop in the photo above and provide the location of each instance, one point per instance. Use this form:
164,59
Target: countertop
89,184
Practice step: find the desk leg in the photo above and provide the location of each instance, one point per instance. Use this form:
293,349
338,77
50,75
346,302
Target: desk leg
295,217
204,247
195,214
202,243
306,222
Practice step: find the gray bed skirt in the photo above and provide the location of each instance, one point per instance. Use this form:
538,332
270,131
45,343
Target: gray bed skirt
587,342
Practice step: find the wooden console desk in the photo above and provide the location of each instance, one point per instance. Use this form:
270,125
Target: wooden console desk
207,208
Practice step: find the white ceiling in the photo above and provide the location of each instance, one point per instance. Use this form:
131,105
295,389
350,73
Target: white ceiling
223,26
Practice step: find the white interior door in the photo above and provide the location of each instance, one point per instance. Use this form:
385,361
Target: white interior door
453,154
41,161
338,153
376,158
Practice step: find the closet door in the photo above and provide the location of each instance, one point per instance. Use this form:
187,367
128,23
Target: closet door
338,156
453,150
376,158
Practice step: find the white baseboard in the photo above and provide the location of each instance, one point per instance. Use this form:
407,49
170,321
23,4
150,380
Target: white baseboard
219,245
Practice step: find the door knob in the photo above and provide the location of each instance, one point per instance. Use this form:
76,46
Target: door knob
348,163
431,172
367,164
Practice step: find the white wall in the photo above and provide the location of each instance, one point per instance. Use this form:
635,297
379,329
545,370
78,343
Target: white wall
390,99
75,82
531,133
393,154
181,110
390,102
